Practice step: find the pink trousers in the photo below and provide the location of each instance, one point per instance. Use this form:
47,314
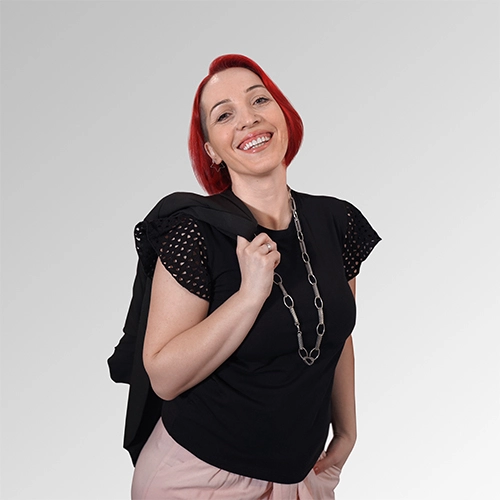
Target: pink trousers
167,471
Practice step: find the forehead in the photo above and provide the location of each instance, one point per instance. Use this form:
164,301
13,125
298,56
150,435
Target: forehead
228,84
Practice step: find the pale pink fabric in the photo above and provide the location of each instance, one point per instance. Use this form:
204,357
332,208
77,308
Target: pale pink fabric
167,471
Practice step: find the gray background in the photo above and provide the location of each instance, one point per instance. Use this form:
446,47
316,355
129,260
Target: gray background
401,107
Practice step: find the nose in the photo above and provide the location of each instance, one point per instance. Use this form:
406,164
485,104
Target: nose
248,118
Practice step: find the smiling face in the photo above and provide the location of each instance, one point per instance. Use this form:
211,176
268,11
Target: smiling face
245,126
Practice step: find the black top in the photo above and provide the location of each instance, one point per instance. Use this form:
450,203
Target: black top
264,413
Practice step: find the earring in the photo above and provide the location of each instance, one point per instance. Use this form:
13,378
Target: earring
218,166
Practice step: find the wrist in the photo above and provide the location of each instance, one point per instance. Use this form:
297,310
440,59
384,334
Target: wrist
251,298
348,440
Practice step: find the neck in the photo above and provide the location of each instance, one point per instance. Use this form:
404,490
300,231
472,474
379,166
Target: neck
268,202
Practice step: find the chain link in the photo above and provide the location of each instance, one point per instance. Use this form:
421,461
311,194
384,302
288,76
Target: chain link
309,357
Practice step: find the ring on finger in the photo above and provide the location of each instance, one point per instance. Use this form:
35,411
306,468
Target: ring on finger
269,247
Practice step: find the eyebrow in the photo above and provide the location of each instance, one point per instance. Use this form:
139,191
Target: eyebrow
249,89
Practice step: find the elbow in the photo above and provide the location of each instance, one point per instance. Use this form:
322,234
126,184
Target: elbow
167,374
161,387
162,383
165,393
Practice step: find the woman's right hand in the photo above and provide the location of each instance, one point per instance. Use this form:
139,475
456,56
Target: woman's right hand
257,259
183,345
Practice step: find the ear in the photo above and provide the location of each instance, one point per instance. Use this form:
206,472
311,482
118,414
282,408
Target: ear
211,152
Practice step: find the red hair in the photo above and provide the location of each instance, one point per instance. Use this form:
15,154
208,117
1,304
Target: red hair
214,182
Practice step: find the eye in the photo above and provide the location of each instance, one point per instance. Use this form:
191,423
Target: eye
261,100
222,117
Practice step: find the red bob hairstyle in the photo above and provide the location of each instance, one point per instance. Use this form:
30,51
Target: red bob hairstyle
210,179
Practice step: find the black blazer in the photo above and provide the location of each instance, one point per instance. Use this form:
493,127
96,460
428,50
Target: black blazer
228,214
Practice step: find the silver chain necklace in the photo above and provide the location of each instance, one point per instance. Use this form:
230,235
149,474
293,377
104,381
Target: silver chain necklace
309,357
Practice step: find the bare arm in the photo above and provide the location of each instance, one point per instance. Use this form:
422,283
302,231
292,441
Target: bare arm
343,408
183,345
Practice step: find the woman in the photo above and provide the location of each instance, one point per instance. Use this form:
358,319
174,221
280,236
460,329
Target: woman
251,310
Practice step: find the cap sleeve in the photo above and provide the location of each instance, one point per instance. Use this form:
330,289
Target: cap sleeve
360,239
180,245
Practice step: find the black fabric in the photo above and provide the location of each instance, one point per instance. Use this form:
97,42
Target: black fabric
179,244
225,212
359,241
263,413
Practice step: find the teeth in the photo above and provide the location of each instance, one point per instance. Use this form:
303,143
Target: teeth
255,142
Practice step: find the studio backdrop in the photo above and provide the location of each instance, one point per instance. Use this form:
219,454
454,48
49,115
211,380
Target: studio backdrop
400,101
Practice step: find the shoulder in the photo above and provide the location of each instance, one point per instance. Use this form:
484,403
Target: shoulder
321,204
223,211
322,211
334,206
175,202
322,214
316,200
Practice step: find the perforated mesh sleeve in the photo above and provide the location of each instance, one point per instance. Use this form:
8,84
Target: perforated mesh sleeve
180,245
360,240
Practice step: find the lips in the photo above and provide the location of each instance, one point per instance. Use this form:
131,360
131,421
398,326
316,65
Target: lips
254,141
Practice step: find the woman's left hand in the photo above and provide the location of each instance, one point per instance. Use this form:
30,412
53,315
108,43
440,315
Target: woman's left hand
337,453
